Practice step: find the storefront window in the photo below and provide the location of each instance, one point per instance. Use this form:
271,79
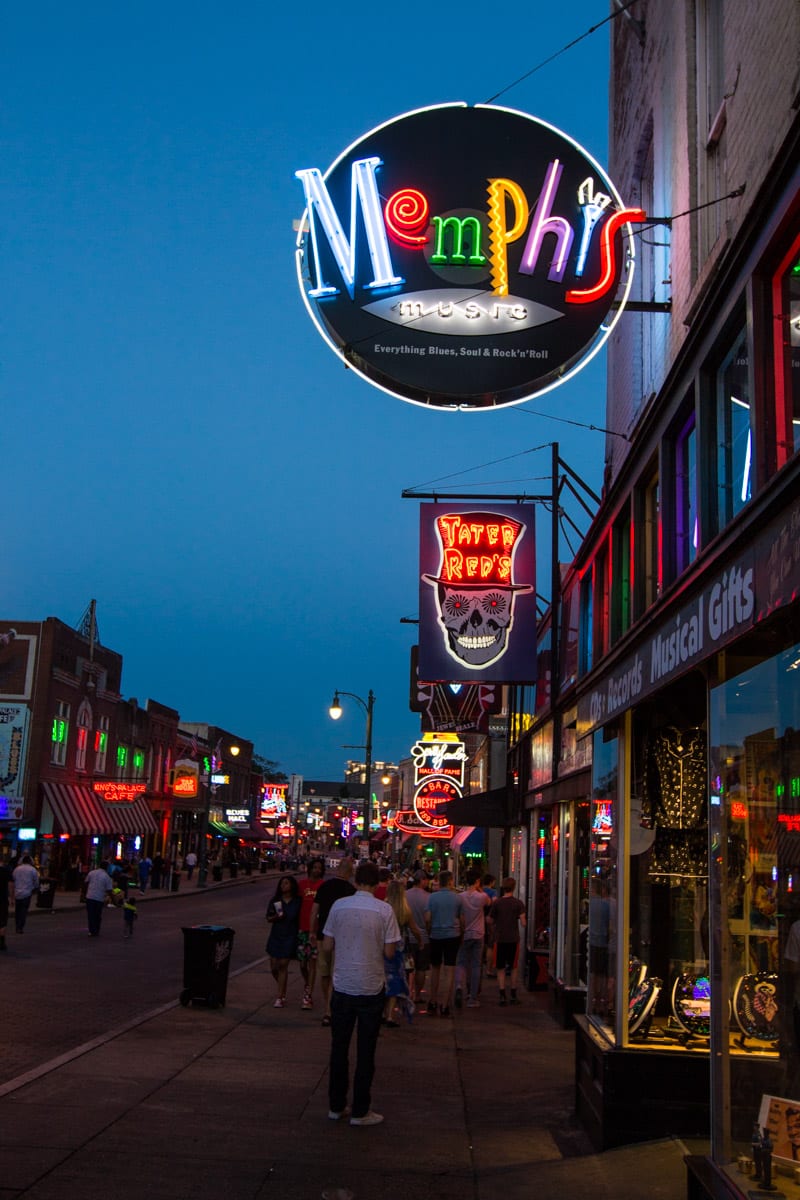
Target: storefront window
686,511
734,432
570,917
786,311
755,810
602,936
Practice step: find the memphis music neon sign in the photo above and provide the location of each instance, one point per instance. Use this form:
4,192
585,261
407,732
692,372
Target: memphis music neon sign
481,275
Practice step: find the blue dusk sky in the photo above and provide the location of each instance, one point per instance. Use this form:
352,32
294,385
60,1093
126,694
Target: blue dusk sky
178,441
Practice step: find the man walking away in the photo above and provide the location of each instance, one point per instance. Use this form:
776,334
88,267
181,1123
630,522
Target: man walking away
507,914
329,892
474,903
25,881
446,925
360,931
96,890
418,901
5,883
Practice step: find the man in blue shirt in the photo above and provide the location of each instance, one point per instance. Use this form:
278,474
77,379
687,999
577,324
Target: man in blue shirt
445,923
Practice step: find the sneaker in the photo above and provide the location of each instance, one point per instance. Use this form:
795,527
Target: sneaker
459,999
473,1004
370,1118
333,1115
307,1001
444,1011
279,1003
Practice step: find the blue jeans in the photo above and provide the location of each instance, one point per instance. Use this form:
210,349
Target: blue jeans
470,957
347,1013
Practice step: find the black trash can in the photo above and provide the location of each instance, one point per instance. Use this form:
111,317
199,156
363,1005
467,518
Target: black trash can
262,867
206,959
46,894
175,881
234,869
216,873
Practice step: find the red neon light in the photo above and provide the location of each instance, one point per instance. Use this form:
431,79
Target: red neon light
790,821
608,259
184,785
118,793
738,810
406,212
476,551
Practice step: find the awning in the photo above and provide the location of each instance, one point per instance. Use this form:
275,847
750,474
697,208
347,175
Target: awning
253,833
482,810
78,810
221,828
460,836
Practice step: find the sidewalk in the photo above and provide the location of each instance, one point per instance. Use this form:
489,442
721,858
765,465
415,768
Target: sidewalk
197,1104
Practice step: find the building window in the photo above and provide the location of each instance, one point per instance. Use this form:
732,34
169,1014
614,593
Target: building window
101,745
138,763
687,533
734,431
84,724
621,581
786,311
122,758
711,120
60,734
647,546
586,644
601,601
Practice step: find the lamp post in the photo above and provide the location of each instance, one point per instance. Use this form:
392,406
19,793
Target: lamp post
335,712
211,789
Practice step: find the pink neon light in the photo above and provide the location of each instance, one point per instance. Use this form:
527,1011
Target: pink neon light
608,260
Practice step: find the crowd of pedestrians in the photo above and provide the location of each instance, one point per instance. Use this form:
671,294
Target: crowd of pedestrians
386,947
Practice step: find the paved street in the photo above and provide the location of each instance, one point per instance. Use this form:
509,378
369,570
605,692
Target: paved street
62,988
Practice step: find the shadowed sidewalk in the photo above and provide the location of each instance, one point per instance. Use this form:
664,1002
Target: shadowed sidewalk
196,1103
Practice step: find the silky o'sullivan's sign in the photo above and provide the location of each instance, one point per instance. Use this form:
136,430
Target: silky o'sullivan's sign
464,257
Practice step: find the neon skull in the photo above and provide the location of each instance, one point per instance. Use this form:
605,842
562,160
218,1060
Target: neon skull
476,622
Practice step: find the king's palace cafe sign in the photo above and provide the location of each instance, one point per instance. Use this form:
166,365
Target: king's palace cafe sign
763,578
464,257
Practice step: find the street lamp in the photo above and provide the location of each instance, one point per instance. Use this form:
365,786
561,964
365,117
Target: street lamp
211,788
335,711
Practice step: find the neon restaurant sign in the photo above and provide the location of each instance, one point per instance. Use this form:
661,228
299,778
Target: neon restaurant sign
464,257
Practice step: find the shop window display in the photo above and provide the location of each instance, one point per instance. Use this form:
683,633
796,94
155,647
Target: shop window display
669,994
602,908
755,823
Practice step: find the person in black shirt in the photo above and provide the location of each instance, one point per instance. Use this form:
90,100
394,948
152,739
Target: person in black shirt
328,893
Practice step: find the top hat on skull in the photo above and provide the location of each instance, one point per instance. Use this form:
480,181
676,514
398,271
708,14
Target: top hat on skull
475,585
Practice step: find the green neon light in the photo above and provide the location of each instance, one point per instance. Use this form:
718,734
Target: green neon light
122,756
138,760
59,733
457,226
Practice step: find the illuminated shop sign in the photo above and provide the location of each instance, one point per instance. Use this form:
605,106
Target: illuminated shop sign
118,793
439,754
463,257
14,719
273,800
477,605
430,802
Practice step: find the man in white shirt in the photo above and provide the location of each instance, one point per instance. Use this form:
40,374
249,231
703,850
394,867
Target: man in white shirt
97,887
363,931
25,880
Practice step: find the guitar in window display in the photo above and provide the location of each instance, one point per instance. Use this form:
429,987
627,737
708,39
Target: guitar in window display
755,1008
691,1005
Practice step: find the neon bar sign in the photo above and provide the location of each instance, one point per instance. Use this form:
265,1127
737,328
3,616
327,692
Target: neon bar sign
478,276
118,793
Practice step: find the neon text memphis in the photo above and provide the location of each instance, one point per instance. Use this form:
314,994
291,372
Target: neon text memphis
406,215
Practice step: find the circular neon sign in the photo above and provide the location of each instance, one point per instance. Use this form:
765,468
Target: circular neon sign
464,258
